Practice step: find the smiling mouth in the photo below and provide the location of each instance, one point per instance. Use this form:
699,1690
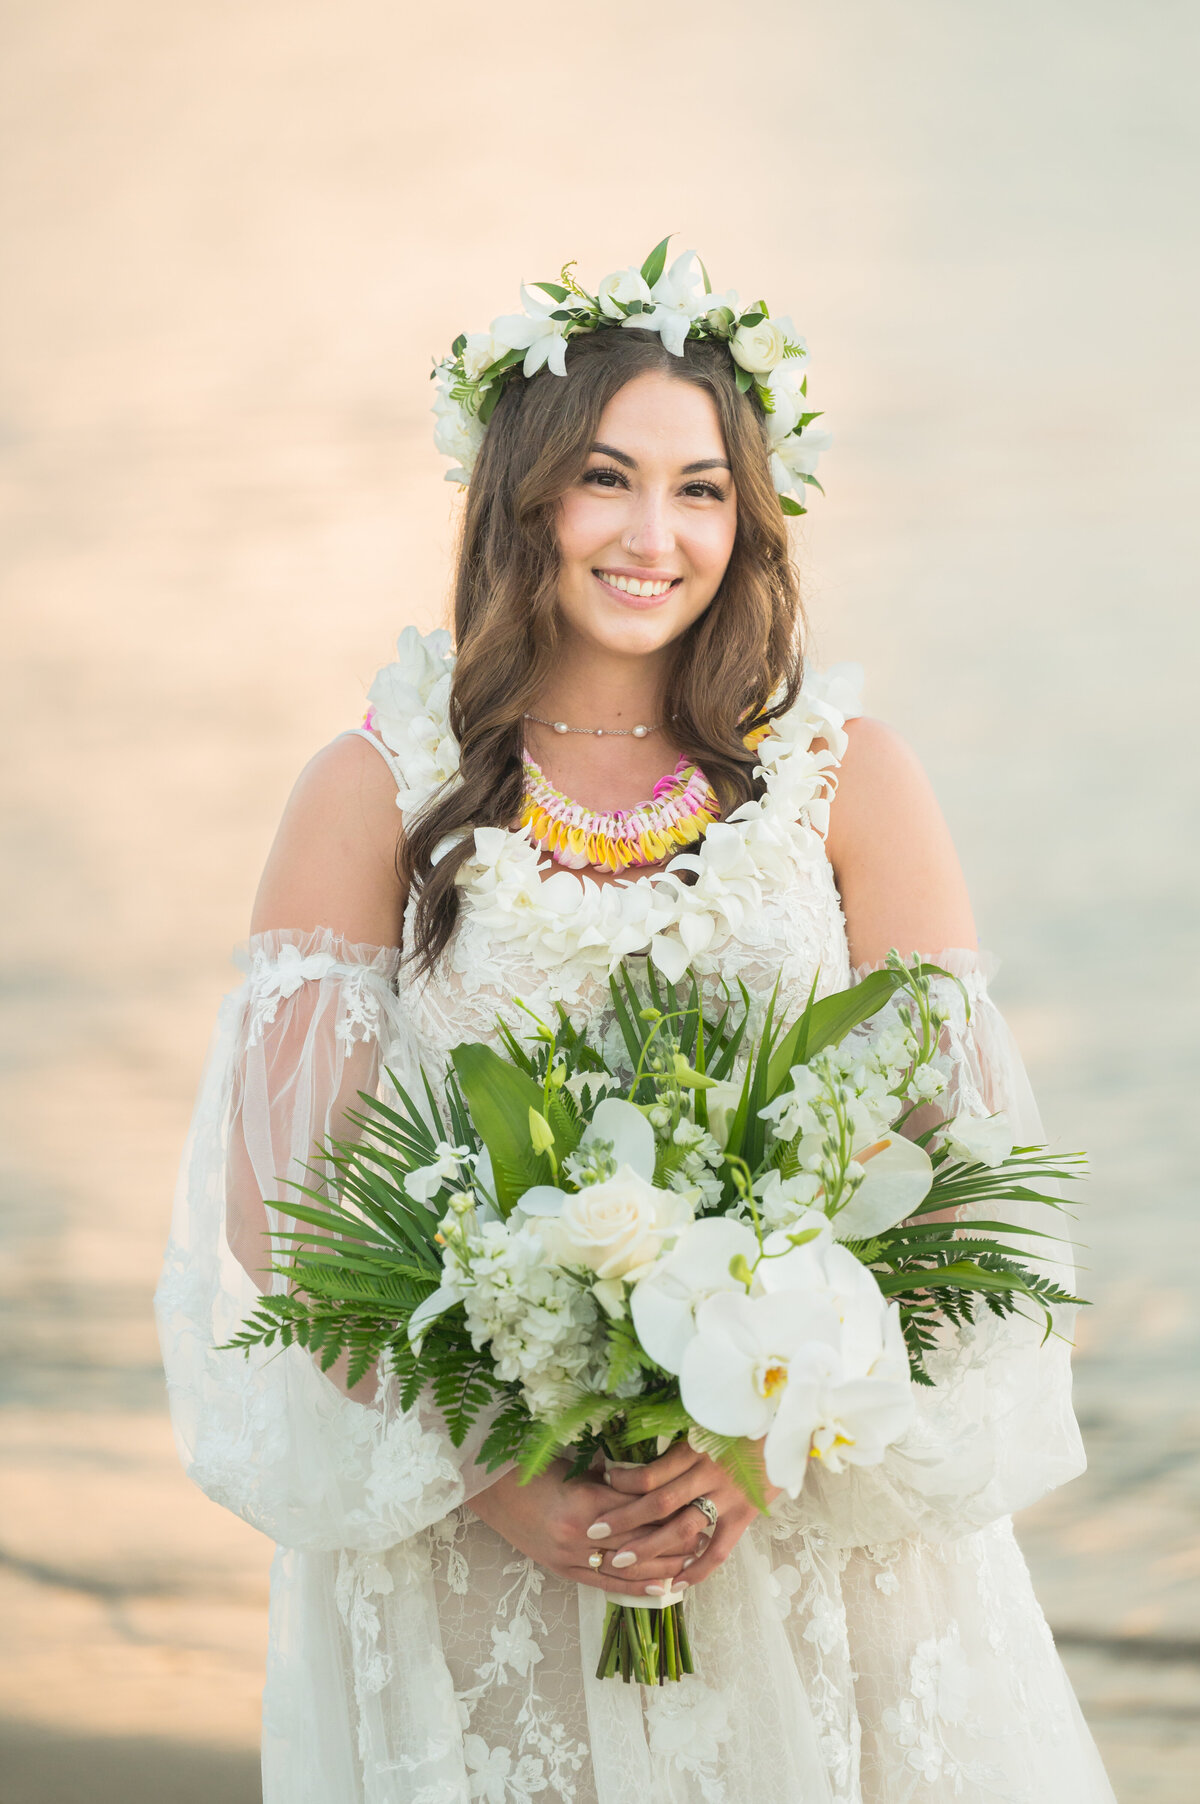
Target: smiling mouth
645,588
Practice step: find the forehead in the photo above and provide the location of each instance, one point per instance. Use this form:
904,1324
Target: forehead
663,415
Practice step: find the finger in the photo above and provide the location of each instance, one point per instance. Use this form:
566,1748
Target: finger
656,1506
637,1480
680,1539
616,1584
716,1553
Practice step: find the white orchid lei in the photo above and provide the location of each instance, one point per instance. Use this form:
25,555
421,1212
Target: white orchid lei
741,1238
565,922
770,358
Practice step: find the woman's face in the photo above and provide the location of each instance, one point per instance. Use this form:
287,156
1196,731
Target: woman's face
646,533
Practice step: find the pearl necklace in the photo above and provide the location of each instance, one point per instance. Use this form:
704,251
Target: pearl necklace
560,726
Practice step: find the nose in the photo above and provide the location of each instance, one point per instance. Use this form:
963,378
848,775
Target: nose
649,533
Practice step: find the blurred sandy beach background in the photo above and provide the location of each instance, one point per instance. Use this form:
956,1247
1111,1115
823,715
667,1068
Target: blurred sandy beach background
234,234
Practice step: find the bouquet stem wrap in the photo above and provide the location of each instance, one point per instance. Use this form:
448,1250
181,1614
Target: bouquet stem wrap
645,1639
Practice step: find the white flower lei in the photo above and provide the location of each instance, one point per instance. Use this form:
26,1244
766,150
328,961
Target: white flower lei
770,358
562,917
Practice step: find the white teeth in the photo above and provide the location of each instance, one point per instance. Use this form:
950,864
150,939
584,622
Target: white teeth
630,585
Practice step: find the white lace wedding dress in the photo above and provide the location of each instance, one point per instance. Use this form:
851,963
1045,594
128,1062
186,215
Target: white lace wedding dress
874,1642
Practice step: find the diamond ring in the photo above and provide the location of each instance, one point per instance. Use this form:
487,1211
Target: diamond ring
708,1510
596,1560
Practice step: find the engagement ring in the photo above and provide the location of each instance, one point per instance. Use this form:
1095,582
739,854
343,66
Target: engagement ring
708,1510
596,1560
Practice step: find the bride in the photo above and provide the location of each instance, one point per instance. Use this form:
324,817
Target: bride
628,683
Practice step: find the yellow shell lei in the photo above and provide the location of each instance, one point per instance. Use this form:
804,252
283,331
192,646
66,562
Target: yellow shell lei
683,805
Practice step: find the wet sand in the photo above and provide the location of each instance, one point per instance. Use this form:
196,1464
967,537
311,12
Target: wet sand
235,235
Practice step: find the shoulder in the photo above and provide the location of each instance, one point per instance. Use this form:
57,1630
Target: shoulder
333,861
878,775
894,860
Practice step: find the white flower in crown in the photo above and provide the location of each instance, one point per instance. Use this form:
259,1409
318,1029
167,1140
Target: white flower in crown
676,302
537,332
457,434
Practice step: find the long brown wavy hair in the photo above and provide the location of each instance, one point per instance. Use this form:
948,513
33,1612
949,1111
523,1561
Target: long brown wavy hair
727,664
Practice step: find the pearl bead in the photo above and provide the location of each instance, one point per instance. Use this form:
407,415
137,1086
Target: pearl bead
560,726
599,732
640,732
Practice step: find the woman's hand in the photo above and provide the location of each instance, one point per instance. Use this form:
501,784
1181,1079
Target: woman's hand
653,1517
549,1519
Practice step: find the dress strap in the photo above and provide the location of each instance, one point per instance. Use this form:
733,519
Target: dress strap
391,762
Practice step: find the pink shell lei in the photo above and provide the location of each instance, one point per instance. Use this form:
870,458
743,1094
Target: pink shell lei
684,804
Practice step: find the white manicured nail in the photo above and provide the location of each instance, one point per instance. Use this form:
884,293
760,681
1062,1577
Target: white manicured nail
655,1589
627,1558
599,1531
690,1561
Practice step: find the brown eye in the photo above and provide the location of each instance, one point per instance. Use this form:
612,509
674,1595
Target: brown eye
605,477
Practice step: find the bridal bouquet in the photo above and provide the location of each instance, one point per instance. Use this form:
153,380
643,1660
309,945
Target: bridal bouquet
749,1238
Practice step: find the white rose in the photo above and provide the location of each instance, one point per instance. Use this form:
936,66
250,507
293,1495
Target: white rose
481,350
758,348
623,285
617,1228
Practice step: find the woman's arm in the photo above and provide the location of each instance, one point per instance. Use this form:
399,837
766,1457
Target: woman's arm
896,868
333,861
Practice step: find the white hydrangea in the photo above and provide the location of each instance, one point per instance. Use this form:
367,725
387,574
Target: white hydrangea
540,1324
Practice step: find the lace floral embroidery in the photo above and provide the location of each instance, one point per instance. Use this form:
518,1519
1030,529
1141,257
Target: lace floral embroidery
545,1755
688,1724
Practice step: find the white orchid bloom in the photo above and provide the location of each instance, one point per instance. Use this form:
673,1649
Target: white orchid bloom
827,1414
734,1373
678,303
980,1141
797,456
543,340
623,285
783,385
665,1301
424,1182
867,1323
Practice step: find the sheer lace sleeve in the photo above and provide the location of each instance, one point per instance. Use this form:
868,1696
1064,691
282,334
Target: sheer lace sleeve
997,1430
272,1437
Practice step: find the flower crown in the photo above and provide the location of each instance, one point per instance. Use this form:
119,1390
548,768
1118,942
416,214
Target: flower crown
771,360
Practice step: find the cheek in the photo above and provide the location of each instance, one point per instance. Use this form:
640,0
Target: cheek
584,523
710,544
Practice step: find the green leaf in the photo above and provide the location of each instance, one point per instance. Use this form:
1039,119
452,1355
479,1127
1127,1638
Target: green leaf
459,345
791,506
500,1098
741,1459
751,319
555,290
744,379
656,262
708,288
550,1438
487,406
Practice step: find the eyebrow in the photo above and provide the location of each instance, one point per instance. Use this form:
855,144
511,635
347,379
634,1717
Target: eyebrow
623,457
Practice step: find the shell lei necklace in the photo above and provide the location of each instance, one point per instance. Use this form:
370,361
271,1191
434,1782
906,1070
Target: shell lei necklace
683,805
